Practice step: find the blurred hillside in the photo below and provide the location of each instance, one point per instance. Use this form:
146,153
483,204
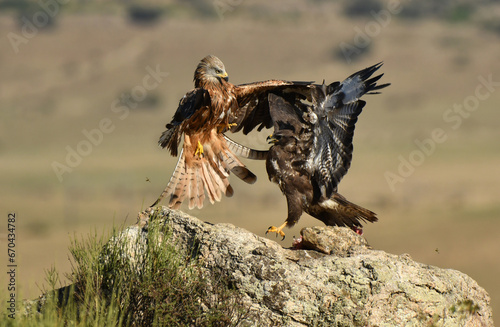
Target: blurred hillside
89,86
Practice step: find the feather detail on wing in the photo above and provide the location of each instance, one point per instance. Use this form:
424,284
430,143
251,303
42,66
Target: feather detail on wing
337,108
312,148
253,104
170,139
193,102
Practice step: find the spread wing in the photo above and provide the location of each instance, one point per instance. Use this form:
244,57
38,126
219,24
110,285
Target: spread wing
324,128
189,105
337,107
253,102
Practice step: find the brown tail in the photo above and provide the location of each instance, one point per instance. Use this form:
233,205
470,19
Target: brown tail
177,187
338,211
195,175
234,164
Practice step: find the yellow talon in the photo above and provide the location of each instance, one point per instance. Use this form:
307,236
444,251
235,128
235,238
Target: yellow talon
199,150
223,127
277,230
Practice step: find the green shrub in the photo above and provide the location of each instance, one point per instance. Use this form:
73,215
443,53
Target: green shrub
134,280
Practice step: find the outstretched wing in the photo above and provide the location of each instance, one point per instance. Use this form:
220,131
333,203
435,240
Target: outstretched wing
253,102
337,107
189,105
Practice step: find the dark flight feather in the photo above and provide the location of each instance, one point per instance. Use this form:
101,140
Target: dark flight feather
313,148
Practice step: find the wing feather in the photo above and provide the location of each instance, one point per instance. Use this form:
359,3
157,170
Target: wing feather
253,104
338,108
245,152
190,104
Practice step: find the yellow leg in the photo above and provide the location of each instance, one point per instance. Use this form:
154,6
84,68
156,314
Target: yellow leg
199,149
223,127
277,230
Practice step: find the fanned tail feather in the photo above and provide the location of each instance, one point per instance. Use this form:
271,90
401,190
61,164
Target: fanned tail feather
216,174
209,184
238,168
209,173
193,189
200,193
175,180
191,181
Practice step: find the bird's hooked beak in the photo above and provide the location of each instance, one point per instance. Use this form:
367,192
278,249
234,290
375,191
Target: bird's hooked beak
272,139
224,76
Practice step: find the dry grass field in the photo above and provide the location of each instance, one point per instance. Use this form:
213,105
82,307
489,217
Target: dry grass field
70,80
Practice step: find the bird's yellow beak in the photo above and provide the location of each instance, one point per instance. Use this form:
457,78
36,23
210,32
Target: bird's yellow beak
223,75
271,139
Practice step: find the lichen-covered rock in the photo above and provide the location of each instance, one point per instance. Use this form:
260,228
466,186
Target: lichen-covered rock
340,241
352,285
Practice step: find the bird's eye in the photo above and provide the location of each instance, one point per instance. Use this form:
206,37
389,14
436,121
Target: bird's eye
218,71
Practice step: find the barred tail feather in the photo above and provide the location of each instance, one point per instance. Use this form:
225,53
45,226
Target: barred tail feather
358,212
193,190
238,168
224,173
200,193
176,178
338,211
208,183
245,152
217,174
193,176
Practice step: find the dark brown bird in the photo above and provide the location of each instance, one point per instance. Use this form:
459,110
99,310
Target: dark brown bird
204,113
312,150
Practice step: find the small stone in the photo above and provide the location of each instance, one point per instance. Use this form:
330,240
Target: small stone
339,241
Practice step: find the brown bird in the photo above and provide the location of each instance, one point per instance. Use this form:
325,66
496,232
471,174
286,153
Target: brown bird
204,113
312,150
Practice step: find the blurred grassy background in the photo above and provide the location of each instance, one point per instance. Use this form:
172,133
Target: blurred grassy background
80,66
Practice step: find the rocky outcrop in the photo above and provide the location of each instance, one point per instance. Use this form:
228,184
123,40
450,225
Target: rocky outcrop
331,278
